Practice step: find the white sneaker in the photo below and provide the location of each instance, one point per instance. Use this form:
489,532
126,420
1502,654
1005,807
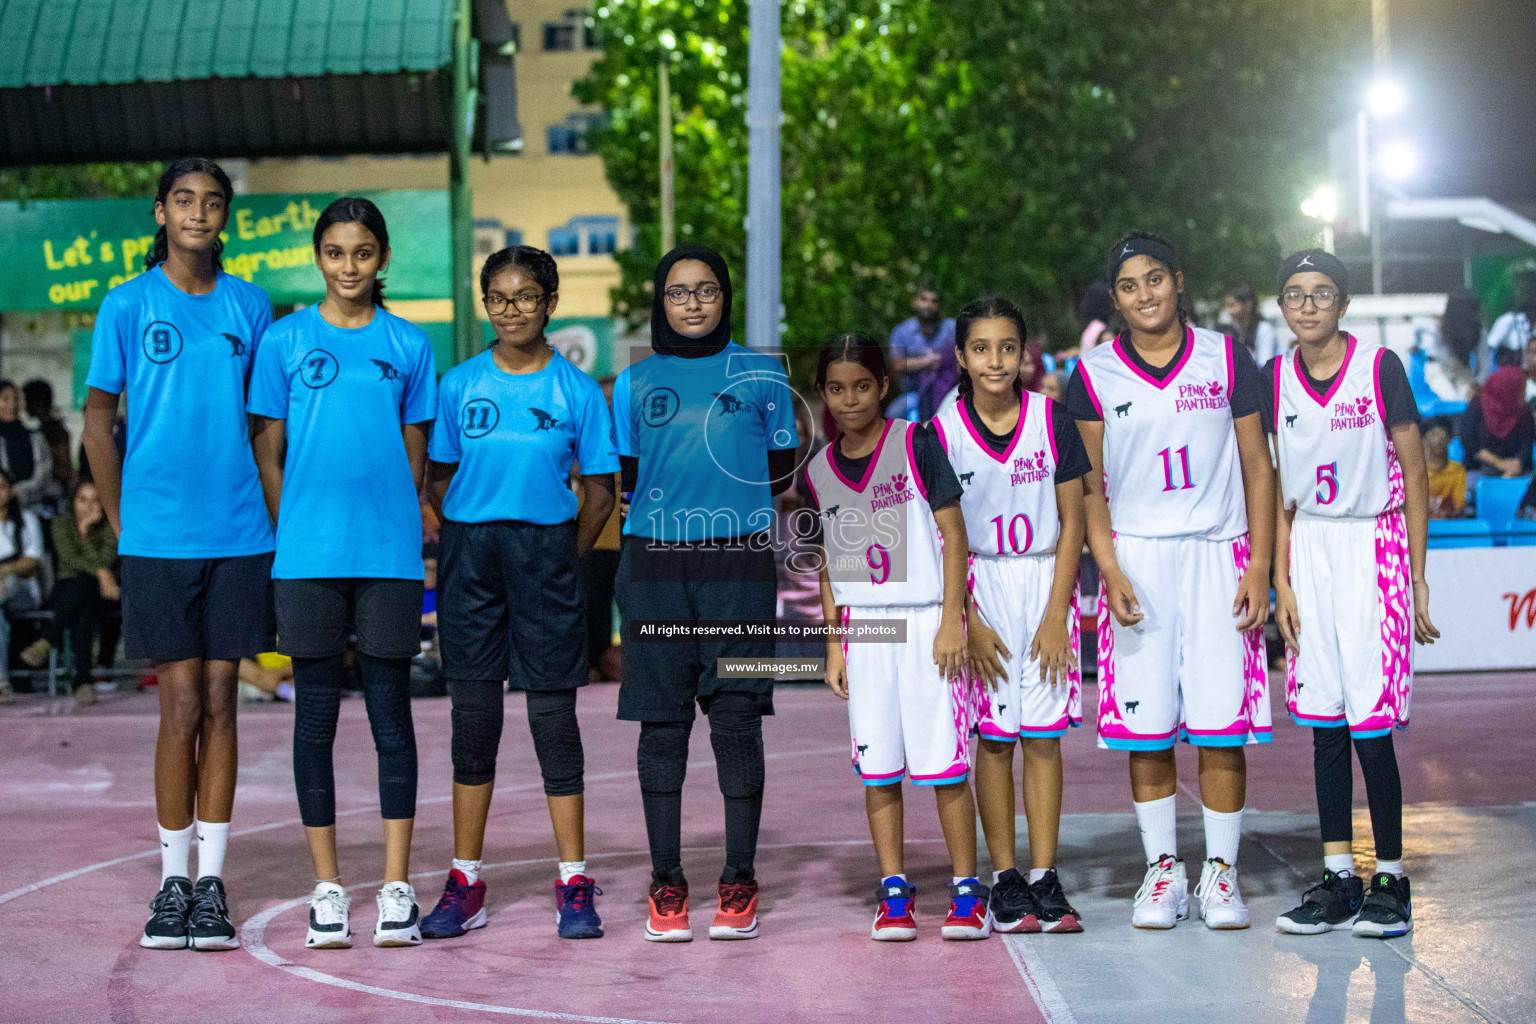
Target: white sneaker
399,921
329,925
1163,899
1221,904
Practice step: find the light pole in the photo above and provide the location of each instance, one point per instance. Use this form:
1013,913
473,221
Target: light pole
664,114
763,176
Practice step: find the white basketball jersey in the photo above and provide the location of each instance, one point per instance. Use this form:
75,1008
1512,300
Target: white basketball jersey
1010,496
1336,454
879,534
1171,466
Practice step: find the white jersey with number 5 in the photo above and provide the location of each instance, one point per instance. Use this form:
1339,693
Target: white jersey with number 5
879,535
1336,454
1171,466
1010,496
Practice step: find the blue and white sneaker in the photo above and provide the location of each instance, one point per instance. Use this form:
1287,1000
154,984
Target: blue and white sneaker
576,909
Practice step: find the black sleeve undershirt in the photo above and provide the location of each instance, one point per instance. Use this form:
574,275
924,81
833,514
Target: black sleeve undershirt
1071,454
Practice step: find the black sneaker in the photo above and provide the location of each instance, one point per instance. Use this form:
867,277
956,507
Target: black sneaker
1388,910
1056,914
167,924
1012,904
1332,903
208,924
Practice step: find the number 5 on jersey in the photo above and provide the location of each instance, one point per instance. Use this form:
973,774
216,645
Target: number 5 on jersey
1327,483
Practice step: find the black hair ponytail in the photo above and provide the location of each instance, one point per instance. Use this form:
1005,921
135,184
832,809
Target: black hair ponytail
356,210
988,307
177,170
852,347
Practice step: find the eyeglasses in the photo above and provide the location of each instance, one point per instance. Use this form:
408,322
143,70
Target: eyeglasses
707,293
1322,298
526,302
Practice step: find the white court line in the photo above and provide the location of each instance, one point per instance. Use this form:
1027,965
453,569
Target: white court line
1042,988
288,822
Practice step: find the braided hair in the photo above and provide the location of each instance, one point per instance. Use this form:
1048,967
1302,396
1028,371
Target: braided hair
179,169
539,264
988,307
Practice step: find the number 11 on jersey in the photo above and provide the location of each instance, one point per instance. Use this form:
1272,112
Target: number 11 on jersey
1183,454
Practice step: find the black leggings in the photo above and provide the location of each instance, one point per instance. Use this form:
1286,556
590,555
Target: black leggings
477,720
736,733
317,685
1335,789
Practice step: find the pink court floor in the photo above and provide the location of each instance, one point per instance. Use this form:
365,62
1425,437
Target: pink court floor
79,865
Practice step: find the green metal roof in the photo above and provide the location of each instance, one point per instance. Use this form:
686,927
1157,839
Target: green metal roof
110,42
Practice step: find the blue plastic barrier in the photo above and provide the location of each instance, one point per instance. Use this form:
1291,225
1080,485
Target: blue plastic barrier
1460,533
1520,533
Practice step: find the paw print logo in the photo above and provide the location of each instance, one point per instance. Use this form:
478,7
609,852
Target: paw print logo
1214,388
1362,406
1040,459
899,482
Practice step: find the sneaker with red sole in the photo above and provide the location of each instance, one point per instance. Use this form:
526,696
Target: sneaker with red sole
967,911
460,909
736,917
668,921
893,913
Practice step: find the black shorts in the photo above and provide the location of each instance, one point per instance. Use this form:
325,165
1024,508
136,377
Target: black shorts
315,617
509,604
708,580
175,609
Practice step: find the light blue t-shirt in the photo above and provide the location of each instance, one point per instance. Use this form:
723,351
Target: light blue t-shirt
514,436
349,506
190,488
701,429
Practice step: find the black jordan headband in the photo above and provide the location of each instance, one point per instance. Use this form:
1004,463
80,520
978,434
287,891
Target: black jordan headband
1318,261
1150,247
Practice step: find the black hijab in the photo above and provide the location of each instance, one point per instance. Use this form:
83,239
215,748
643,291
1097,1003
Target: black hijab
666,340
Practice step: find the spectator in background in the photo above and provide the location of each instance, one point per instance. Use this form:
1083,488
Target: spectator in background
1051,386
1447,479
1461,336
119,441
38,396
1032,366
267,677
1497,429
1530,374
21,558
1095,311
86,591
23,453
1510,332
1240,308
922,356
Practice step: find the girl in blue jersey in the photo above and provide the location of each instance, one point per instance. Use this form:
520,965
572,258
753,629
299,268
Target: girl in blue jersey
513,419
343,396
706,436
195,541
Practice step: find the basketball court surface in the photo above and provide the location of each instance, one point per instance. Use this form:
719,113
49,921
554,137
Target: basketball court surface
80,864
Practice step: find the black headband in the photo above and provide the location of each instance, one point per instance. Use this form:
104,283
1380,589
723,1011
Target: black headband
1140,246
1319,261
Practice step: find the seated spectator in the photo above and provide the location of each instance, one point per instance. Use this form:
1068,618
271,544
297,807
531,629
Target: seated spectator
24,457
1447,479
38,395
1530,374
86,591
21,558
266,677
1497,429
1509,333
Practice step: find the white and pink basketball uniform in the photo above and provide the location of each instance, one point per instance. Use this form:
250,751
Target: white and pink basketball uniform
884,561
1349,548
1012,524
1175,488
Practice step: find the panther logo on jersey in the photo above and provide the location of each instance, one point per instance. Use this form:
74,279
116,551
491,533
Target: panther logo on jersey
831,511
897,492
1214,389
1028,469
1200,396
1351,414
1122,410
965,478
1290,420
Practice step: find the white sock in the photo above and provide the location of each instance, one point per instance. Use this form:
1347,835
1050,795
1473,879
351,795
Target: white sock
1035,874
285,692
175,851
212,838
1223,830
1390,867
569,869
1159,828
1339,863
470,869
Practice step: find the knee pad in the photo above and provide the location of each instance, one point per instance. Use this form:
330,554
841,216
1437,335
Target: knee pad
317,692
662,759
557,740
736,734
477,719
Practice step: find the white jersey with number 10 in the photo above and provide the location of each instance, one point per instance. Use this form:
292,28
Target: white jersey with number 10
1171,466
1009,497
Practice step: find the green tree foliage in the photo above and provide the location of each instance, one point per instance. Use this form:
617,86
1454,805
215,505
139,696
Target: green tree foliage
986,145
86,181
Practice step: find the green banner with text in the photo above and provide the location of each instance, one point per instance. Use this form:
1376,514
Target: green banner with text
66,253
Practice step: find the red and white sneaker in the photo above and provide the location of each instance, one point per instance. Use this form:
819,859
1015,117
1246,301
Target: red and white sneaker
1163,899
967,911
736,917
893,914
668,921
